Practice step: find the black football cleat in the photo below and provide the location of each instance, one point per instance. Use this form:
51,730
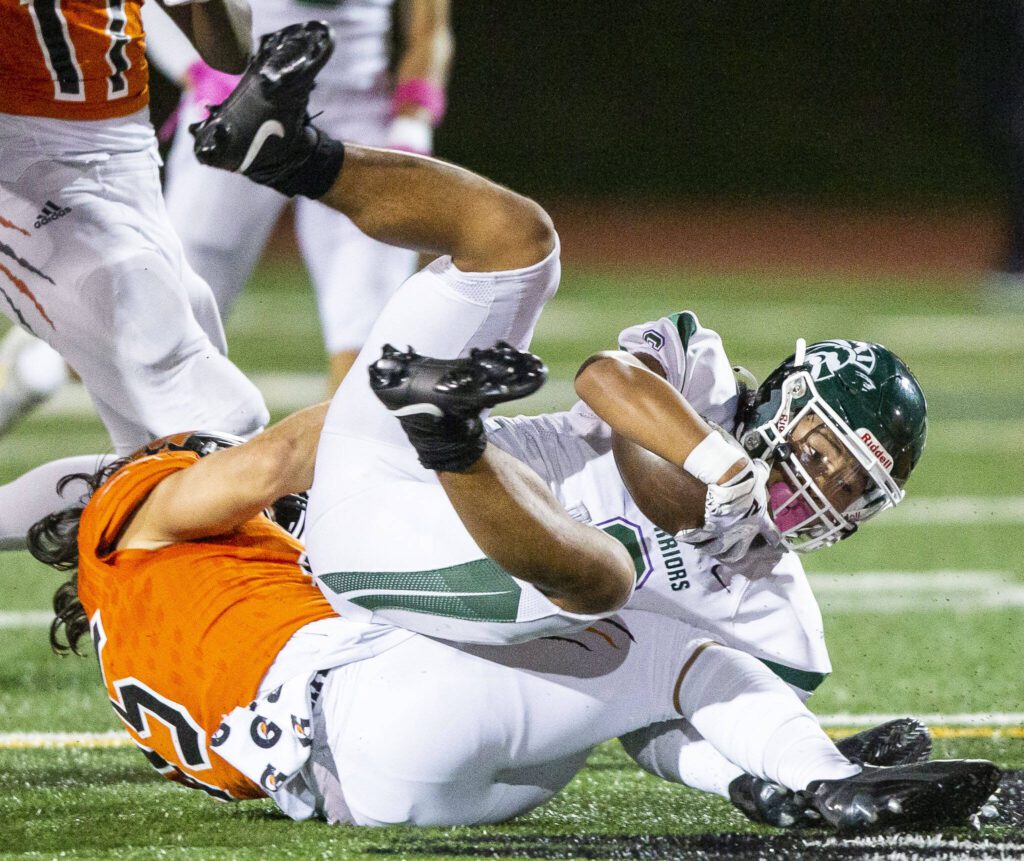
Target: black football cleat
262,129
934,794
410,384
897,742
767,803
439,401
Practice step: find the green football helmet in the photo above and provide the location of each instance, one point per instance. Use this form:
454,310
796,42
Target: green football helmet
843,423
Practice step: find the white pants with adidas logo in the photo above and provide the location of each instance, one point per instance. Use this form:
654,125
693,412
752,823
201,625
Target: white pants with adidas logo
106,283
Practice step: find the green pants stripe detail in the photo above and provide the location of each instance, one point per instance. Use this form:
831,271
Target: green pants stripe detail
803,679
480,590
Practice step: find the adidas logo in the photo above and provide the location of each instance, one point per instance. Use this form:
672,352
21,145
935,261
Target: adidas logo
51,212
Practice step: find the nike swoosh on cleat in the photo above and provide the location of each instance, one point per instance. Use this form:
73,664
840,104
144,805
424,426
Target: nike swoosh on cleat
419,410
269,129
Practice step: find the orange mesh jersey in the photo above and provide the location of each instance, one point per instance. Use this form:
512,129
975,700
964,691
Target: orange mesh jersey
186,633
72,59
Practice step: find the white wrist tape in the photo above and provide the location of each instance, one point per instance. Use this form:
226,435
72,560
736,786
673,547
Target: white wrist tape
713,456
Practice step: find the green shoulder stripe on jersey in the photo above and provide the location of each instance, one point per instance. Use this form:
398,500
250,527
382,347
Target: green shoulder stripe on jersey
686,325
803,679
480,591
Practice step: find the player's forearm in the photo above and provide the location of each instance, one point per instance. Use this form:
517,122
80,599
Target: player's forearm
289,452
518,523
643,407
429,44
221,31
167,47
434,207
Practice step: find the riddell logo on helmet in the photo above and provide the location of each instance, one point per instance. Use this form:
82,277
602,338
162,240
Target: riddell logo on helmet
876,448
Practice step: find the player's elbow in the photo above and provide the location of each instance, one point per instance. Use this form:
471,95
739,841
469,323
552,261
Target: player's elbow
605,583
601,369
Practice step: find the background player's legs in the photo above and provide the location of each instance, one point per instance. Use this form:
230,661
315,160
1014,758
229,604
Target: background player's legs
30,373
222,218
354,276
159,373
107,286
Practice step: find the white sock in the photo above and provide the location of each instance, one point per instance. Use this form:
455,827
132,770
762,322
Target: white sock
755,720
32,496
675,751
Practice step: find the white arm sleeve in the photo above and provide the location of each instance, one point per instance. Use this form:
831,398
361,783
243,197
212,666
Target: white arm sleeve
694,360
167,47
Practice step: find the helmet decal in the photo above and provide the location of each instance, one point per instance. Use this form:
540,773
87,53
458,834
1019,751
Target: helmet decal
830,357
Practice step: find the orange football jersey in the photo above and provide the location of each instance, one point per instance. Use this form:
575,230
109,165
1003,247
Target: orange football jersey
72,59
186,633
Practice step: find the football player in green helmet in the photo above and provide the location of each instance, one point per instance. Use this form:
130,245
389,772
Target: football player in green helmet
842,424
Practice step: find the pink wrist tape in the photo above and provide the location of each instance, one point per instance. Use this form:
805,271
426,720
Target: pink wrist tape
208,86
424,94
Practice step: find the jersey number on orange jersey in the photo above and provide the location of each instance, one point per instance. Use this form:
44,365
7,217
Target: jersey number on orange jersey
59,51
136,703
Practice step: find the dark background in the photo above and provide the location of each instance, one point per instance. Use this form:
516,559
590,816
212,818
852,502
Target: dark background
818,99
870,101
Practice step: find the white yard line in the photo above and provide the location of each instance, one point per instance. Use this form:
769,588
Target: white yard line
916,591
856,592
954,510
25,619
977,719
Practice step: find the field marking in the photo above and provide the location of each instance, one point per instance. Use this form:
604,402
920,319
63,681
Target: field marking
954,510
963,719
64,740
916,591
966,725
857,592
13,619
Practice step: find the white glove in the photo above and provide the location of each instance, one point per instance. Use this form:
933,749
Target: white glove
735,513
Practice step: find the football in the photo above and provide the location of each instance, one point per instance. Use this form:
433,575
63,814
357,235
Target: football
670,497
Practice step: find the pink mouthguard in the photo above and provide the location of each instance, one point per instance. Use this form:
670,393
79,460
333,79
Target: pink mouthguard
787,516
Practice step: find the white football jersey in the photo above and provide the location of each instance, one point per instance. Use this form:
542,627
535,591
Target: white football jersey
763,604
362,37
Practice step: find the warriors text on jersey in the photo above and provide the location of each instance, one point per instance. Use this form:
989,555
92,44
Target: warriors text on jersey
72,59
186,633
